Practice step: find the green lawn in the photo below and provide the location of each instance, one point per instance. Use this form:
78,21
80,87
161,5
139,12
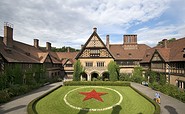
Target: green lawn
132,102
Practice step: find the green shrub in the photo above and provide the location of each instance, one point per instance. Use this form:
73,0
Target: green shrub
137,79
95,79
124,77
170,90
4,96
16,90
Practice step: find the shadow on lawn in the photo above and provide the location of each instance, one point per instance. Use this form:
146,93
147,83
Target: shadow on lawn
84,111
116,109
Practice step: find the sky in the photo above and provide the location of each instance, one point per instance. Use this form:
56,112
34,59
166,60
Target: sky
71,22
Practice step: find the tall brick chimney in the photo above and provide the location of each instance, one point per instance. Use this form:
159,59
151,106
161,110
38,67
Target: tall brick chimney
130,39
95,29
48,46
8,34
36,43
107,41
165,43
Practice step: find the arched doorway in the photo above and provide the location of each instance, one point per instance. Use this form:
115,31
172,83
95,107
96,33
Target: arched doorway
84,76
94,76
105,76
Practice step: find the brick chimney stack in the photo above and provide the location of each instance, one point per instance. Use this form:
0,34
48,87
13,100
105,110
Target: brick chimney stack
107,41
8,34
48,46
95,29
130,39
36,43
165,43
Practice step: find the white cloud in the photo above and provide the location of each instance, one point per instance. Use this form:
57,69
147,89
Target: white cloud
70,22
152,36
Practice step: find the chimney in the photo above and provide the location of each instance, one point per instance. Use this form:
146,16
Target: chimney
68,50
36,43
95,29
165,43
130,39
82,46
8,34
107,41
48,46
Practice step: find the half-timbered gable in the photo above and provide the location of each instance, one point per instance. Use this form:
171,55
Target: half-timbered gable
94,48
94,57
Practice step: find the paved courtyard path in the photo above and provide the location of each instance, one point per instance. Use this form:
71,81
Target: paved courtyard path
168,104
19,104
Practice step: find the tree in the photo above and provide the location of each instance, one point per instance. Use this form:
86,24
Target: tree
78,69
170,40
137,71
162,80
113,69
137,75
152,76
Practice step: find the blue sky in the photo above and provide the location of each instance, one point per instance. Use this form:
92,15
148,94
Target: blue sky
70,22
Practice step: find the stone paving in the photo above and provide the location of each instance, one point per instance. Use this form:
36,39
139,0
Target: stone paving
168,104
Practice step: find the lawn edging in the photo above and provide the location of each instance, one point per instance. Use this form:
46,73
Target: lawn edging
31,105
96,83
157,107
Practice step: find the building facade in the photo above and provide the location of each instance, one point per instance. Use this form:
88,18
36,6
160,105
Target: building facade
169,59
95,56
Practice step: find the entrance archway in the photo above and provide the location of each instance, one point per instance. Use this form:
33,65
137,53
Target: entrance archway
105,76
84,76
94,75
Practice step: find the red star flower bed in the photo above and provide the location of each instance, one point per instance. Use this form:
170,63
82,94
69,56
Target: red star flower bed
93,94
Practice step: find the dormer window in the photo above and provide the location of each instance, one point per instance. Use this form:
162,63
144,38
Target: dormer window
118,55
130,54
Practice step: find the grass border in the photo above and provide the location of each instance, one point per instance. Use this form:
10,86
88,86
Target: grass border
157,107
31,106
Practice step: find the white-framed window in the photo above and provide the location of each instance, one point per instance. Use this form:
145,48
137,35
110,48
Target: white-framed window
100,64
88,64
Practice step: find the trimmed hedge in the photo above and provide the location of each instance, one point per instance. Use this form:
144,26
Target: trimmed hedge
170,90
96,83
157,107
31,105
16,90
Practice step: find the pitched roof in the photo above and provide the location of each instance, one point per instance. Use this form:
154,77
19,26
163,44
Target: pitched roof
64,56
176,50
13,55
86,44
173,52
120,53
